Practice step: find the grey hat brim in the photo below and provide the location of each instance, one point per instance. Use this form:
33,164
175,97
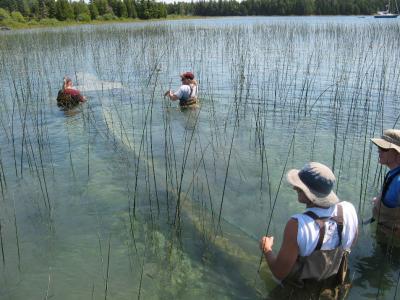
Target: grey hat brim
385,144
321,200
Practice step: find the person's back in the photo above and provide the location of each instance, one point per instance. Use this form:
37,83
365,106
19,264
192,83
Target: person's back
308,230
187,94
313,256
324,238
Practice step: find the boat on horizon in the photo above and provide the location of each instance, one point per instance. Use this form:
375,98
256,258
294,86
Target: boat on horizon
386,13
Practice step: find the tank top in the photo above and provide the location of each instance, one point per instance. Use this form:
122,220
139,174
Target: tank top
308,229
329,258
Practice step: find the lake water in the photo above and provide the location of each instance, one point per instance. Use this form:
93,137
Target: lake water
128,196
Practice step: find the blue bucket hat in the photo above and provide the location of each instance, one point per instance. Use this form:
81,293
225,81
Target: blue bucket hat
316,181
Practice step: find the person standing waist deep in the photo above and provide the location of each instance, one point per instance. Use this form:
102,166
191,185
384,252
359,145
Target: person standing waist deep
316,243
386,206
187,92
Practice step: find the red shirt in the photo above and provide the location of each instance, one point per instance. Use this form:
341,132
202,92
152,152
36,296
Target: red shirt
74,92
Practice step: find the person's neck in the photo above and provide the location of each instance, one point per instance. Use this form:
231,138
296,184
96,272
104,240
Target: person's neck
393,166
312,205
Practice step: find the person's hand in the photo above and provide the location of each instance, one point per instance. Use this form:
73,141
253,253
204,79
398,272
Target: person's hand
266,243
375,200
167,93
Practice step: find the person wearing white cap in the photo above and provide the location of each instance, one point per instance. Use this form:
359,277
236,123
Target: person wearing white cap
187,92
386,206
316,243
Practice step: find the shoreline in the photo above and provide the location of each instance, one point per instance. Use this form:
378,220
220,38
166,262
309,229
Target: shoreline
49,23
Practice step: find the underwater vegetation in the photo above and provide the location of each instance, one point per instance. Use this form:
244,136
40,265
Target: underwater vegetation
126,196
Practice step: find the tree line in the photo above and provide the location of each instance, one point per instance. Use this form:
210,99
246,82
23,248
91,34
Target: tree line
62,10
277,7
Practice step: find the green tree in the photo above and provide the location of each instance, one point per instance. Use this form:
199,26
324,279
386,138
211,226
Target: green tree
131,8
51,8
142,10
102,7
23,7
4,15
64,10
34,8
122,10
18,17
10,5
80,10
42,12
94,12
119,8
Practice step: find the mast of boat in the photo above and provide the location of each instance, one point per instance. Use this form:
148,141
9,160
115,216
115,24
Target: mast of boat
388,12
397,8
389,8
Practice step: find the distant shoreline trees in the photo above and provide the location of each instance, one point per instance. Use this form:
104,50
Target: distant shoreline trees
21,11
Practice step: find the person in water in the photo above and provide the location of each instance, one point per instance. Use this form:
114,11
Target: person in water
187,92
386,206
69,96
313,256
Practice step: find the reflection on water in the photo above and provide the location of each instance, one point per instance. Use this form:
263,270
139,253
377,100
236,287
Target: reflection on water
190,117
71,112
130,196
379,269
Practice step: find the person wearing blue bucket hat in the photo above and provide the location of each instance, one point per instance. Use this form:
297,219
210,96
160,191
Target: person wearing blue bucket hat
316,243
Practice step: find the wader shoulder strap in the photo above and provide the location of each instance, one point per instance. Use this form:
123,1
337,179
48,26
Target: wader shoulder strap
191,91
339,221
321,223
184,97
386,183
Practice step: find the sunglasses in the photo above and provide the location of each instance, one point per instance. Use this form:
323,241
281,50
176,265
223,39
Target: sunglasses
383,149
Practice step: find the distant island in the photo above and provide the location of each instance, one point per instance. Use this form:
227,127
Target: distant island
31,13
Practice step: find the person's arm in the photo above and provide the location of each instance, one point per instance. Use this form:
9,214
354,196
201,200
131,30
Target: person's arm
79,95
281,264
376,200
171,95
82,98
178,93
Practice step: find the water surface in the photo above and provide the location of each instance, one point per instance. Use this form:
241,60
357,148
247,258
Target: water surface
127,196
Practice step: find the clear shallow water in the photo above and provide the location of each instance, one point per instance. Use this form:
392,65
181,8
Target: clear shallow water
90,197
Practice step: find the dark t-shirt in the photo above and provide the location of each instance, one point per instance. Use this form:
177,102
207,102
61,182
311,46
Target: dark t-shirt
69,98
